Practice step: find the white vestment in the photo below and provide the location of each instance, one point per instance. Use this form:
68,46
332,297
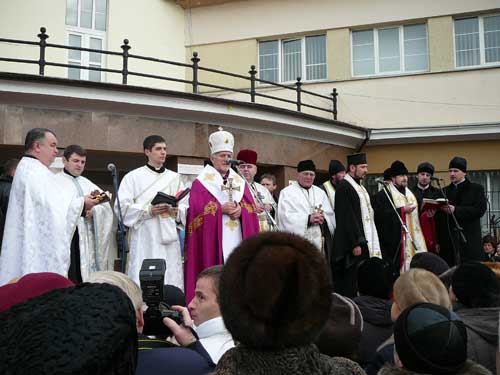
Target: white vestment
152,237
40,223
97,239
294,207
266,198
215,338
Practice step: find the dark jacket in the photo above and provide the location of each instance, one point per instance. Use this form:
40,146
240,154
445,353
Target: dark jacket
5,185
482,334
383,357
377,325
470,368
431,193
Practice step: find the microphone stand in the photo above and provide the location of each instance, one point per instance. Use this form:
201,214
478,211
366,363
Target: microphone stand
458,228
121,240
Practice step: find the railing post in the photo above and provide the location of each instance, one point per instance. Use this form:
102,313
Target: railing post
125,48
334,101
43,44
252,73
299,92
195,61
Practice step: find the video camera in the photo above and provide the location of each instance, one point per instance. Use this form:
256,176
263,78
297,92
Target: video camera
152,277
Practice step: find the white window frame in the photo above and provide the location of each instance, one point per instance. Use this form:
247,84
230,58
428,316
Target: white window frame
482,51
376,54
303,59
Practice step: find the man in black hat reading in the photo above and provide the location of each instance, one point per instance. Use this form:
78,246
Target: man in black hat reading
467,201
423,188
355,237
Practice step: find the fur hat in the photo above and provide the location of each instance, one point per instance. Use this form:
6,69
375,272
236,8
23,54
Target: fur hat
418,285
426,167
335,167
398,168
475,285
247,156
375,278
430,262
306,165
356,159
275,292
84,329
221,140
387,174
458,163
430,339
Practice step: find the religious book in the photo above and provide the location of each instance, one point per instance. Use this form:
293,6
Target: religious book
169,199
101,196
429,204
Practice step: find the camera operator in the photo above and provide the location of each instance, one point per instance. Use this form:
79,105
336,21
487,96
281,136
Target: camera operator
206,317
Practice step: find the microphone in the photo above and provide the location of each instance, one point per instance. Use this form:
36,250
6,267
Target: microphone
381,181
436,179
111,167
234,162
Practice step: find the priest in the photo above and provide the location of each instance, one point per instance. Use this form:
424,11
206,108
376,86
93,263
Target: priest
93,246
221,212
153,228
304,209
42,217
336,171
356,236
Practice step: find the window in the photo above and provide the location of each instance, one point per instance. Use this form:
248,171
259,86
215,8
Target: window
86,27
285,60
390,50
477,41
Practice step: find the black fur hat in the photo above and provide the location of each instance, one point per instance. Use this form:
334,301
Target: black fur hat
275,292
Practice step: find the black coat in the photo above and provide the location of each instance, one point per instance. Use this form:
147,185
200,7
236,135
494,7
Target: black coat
5,185
469,200
431,193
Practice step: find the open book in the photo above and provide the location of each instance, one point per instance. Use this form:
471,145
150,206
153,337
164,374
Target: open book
429,204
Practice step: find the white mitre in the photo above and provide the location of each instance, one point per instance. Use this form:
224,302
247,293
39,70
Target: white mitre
221,140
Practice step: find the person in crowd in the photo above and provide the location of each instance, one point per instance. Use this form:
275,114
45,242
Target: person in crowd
415,286
336,171
83,329
430,339
304,209
356,236
221,213
375,280
268,180
467,202
430,262
153,228
477,292
276,326
93,246
9,169
41,217
489,248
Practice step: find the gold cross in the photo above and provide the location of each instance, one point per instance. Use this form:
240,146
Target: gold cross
230,188
232,224
319,209
209,177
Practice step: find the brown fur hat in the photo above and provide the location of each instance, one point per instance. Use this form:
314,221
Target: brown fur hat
419,285
275,292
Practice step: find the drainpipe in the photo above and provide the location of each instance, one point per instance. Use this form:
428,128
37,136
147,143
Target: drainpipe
367,138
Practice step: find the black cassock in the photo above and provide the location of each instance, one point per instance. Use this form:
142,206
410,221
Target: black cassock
469,200
349,233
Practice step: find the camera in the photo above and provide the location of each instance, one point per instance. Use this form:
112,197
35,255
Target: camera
152,277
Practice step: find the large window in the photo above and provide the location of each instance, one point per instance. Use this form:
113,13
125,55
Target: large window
390,50
86,28
477,41
285,60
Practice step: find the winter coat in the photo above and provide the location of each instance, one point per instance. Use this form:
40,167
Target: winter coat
470,368
377,325
293,361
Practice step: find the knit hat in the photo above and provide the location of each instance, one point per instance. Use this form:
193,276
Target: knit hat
248,156
375,278
84,329
430,339
475,285
335,167
458,163
342,333
398,168
306,165
29,286
220,140
430,262
356,159
426,167
275,292
418,285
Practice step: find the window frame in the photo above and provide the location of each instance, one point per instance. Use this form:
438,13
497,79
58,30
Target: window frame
482,50
376,51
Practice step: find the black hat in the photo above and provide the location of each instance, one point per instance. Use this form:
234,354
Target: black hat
85,329
355,159
375,278
430,339
275,292
475,285
335,167
398,168
458,163
387,174
306,165
426,167
430,262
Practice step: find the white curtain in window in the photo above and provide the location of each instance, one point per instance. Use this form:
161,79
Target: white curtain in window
415,47
388,47
268,60
467,42
100,15
86,13
74,56
316,57
363,53
292,60
95,60
492,39
72,12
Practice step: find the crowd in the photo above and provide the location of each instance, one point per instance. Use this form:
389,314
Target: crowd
315,280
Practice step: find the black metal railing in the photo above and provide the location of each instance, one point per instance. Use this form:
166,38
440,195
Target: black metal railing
253,91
